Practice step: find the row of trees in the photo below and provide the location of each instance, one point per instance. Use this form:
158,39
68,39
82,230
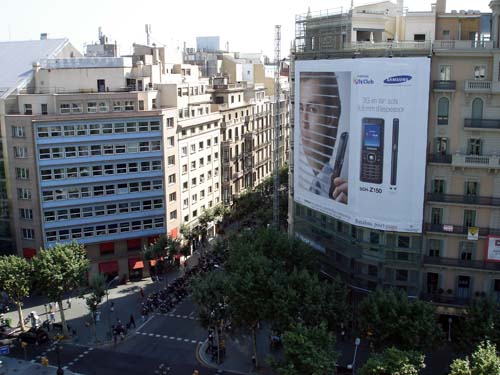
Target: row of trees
271,277
52,273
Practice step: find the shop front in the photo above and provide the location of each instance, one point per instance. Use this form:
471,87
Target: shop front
135,269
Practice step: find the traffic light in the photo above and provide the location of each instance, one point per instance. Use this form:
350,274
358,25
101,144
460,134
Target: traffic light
45,361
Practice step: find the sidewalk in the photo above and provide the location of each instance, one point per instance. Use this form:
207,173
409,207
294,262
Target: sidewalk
16,366
239,354
126,299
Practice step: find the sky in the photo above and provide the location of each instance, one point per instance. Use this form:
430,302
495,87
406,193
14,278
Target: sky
248,26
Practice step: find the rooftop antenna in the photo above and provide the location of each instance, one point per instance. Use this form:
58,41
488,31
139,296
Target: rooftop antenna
277,132
148,33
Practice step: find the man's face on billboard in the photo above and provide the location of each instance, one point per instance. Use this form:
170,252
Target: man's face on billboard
319,117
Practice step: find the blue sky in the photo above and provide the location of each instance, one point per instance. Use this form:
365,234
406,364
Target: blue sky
248,26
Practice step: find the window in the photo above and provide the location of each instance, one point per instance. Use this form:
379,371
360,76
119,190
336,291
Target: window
467,249
171,160
200,145
496,289
170,122
446,34
374,238
129,105
195,213
170,141
172,197
28,233
185,203
438,186
437,215
64,108
44,109
184,185
194,199
441,144
18,132
463,286
445,72
92,107
26,213
103,107
419,37
443,110
471,188
76,108
117,106
404,242
171,179
193,148
193,181
22,173
28,109
474,146
193,165
24,193
184,151
479,72
173,215
469,218
401,275
20,152
477,109
435,247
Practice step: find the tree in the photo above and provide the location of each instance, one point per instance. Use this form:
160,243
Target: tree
96,290
209,292
485,361
307,350
15,280
480,322
393,361
59,270
391,319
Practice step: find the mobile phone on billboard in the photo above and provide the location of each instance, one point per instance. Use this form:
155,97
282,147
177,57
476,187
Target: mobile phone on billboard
372,150
339,160
394,151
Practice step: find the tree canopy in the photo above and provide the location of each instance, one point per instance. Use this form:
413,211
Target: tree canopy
485,361
393,361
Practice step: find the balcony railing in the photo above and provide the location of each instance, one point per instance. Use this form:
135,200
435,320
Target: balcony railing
458,229
445,299
462,44
477,161
477,86
442,85
439,158
479,123
467,199
453,262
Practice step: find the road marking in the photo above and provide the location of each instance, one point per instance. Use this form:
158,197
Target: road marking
177,316
80,356
184,317
39,356
179,339
165,337
32,361
158,335
193,341
172,338
65,367
186,340
71,364
151,334
90,349
86,352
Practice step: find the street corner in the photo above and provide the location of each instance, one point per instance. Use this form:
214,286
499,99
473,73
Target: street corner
202,356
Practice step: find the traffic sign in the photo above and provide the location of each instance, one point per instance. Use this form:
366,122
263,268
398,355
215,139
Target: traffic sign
4,350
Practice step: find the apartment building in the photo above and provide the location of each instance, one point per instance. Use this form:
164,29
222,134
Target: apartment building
453,260
463,188
91,156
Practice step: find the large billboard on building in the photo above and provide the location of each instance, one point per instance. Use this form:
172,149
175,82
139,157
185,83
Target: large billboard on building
493,249
360,140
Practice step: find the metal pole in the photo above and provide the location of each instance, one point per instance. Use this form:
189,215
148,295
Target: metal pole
357,342
449,329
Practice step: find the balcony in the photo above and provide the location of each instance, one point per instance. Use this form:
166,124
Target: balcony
461,199
479,123
477,86
445,299
439,158
462,44
442,85
476,161
453,262
458,229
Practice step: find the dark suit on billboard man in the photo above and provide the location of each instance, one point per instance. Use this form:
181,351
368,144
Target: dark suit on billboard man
320,109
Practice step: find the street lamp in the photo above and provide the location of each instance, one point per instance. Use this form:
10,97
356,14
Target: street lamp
449,328
353,364
107,303
60,371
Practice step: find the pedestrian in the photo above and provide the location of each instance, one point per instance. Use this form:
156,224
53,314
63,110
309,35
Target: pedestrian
132,321
97,316
142,292
112,306
115,334
50,306
68,302
342,332
52,317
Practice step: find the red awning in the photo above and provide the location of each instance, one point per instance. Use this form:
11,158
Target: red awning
107,246
135,263
108,267
134,244
174,232
152,262
29,252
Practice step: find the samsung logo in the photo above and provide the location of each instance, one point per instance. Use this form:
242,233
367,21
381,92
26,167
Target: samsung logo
397,79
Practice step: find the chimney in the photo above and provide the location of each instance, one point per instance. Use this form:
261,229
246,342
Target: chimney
43,36
440,6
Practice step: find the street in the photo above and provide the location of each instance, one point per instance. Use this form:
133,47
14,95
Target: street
164,340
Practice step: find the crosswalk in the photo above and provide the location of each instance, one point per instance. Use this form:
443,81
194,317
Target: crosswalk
171,338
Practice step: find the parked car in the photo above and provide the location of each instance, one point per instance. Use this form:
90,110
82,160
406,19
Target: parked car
34,336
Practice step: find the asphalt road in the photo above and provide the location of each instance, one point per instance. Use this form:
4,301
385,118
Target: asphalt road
164,340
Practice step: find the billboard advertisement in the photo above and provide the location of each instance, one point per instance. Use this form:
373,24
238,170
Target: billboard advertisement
493,249
360,140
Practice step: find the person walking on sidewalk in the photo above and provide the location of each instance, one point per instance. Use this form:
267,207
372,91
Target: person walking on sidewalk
142,292
132,321
68,302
